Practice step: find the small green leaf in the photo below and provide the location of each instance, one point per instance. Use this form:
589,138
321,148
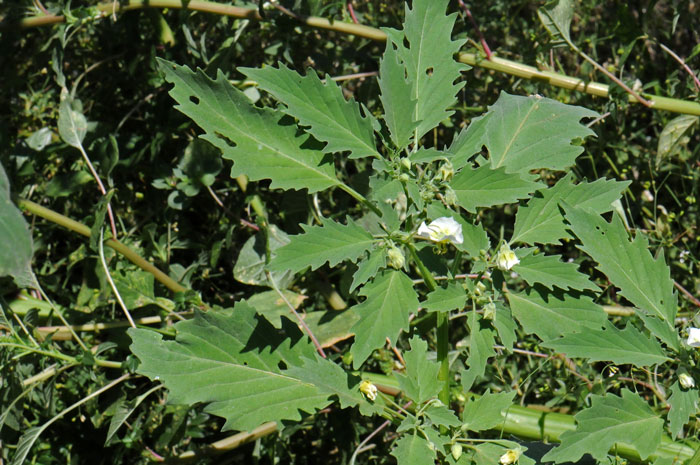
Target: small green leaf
99,223
525,133
611,344
367,268
487,411
481,342
396,97
610,419
642,280
486,186
420,382
72,125
541,219
452,297
556,17
442,416
549,271
671,138
550,315
505,325
231,361
390,300
250,265
331,242
684,404
15,261
413,449
260,145
321,106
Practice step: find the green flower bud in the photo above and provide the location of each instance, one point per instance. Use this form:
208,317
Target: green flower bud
395,258
456,450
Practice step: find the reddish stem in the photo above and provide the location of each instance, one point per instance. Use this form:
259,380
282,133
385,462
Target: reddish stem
352,12
487,50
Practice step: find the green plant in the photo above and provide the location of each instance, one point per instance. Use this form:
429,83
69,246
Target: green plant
404,225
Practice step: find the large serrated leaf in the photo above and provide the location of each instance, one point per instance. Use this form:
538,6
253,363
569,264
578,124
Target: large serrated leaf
541,220
611,344
15,261
331,242
629,265
452,297
486,186
429,59
525,133
231,361
322,107
390,300
549,315
610,419
260,146
549,271
396,96
420,383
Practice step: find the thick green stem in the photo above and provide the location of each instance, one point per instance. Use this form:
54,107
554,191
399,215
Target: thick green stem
80,228
443,330
497,64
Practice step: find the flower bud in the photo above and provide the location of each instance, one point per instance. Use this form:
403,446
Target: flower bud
506,258
450,196
369,390
490,311
686,381
511,456
403,177
395,257
446,171
456,450
406,163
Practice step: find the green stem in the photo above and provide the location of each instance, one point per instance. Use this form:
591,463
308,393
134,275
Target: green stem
497,64
442,328
80,228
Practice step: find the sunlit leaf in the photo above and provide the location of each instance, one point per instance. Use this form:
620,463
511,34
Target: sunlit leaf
259,143
397,98
331,242
684,404
611,344
525,133
413,449
390,300
486,186
549,271
420,381
643,280
556,17
321,106
487,411
610,419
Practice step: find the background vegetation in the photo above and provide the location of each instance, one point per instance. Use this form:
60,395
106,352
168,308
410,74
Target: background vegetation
176,205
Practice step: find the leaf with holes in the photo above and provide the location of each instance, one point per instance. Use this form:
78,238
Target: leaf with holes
320,106
525,133
260,143
427,50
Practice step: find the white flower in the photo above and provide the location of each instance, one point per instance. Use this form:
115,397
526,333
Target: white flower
369,390
686,381
442,230
511,456
694,337
506,258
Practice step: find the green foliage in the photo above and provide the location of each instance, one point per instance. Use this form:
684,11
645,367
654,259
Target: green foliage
610,419
359,299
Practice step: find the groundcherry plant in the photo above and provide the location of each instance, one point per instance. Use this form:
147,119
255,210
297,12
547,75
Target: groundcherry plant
424,273
421,259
